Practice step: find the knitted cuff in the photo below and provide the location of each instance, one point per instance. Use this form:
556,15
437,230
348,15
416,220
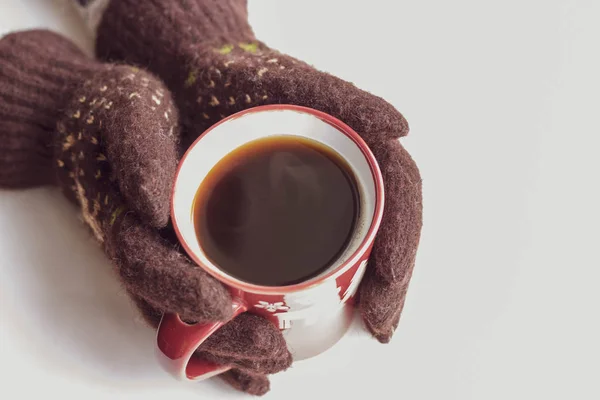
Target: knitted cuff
38,72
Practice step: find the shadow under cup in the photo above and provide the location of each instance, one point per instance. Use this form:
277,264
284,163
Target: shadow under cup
316,313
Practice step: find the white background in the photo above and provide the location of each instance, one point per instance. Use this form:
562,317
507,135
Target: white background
503,98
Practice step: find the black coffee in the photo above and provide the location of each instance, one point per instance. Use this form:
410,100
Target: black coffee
277,210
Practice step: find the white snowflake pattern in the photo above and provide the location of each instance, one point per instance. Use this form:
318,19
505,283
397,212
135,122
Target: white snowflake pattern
272,307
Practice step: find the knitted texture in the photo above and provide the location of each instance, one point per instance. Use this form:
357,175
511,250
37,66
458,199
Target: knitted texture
250,344
248,382
41,75
208,56
31,97
385,284
108,135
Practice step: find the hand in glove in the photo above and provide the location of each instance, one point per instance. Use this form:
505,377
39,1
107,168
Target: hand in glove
208,56
108,136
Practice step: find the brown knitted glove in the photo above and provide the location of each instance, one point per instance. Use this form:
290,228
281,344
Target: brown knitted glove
207,54
108,135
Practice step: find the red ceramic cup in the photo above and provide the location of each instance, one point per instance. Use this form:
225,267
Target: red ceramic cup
313,315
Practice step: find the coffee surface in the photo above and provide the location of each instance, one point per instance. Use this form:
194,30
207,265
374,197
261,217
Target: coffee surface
277,211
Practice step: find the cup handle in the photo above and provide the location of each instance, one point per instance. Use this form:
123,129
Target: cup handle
176,342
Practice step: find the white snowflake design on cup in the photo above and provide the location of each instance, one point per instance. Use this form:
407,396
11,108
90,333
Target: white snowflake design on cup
272,307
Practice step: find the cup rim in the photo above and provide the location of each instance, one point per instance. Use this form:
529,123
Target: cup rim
334,273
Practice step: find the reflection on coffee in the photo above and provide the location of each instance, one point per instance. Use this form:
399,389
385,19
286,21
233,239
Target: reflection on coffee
277,211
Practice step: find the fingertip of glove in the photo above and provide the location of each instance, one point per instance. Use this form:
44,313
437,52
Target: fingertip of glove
153,269
254,384
392,120
378,119
208,299
381,304
249,342
384,335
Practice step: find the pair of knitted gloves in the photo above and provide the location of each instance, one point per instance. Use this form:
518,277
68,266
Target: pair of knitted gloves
110,135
